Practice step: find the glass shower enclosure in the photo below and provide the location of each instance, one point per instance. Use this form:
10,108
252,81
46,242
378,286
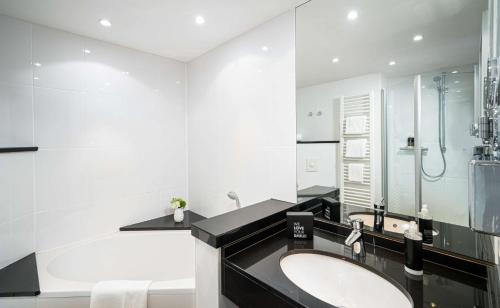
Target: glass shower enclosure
427,120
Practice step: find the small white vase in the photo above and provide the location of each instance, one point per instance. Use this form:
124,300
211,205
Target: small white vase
178,215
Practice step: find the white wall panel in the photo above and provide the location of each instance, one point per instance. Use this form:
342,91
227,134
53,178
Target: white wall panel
241,120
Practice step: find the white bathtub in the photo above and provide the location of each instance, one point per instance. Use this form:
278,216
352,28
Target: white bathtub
67,274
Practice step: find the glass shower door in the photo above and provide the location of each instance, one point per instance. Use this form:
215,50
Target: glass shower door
447,113
436,175
400,159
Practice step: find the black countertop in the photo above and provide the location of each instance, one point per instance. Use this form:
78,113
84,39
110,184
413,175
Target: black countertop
166,223
20,278
221,229
439,287
317,191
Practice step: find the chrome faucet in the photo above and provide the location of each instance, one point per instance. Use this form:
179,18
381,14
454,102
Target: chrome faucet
355,239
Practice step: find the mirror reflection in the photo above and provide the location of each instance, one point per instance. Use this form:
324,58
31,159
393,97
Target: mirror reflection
377,80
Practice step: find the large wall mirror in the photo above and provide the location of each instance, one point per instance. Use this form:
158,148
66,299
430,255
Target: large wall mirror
358,64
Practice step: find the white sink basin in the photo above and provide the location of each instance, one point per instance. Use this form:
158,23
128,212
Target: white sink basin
390,224
342,283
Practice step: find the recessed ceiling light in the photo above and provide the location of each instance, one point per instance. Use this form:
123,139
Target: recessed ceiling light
200,20
392,63
87,51
264,48
105,23
36,78
335,60
352,15
456,81
454,72
37,64
418,37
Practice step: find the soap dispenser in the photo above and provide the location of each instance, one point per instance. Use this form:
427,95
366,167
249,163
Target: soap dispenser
413,250
425,224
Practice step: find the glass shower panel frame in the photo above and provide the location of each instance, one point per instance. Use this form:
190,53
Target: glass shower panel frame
417,122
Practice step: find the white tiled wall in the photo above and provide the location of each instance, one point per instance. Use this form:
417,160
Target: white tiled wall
16,129
322,98
242,120
16,80
325,157
110,123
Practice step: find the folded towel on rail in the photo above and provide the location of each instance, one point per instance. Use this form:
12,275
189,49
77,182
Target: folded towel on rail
355,148
355,125
355,172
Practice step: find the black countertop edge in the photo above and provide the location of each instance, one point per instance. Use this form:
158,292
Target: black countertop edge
319,141
166,223
254,269
231,226
20,278
18,149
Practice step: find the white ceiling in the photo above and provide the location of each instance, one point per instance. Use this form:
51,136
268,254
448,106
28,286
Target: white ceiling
163,27
383,32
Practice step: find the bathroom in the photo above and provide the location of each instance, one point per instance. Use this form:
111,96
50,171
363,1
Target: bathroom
238,153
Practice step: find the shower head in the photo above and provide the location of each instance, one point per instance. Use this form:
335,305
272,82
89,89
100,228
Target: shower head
233,196
440,82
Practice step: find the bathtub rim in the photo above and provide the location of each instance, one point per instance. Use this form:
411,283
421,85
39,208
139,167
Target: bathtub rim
51,286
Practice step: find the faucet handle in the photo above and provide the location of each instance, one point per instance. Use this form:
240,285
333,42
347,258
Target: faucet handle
357,224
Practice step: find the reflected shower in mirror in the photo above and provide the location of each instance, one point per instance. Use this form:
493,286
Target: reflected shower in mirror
356,62
447,112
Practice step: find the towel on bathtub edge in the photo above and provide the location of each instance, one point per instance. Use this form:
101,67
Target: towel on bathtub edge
120,294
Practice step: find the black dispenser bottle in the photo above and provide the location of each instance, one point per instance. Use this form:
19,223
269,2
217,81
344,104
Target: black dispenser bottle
413,250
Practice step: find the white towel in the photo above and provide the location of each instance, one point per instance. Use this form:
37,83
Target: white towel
355,148
355,125
355,172
120,294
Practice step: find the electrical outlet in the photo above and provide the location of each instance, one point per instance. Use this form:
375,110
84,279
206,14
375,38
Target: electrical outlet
311,165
